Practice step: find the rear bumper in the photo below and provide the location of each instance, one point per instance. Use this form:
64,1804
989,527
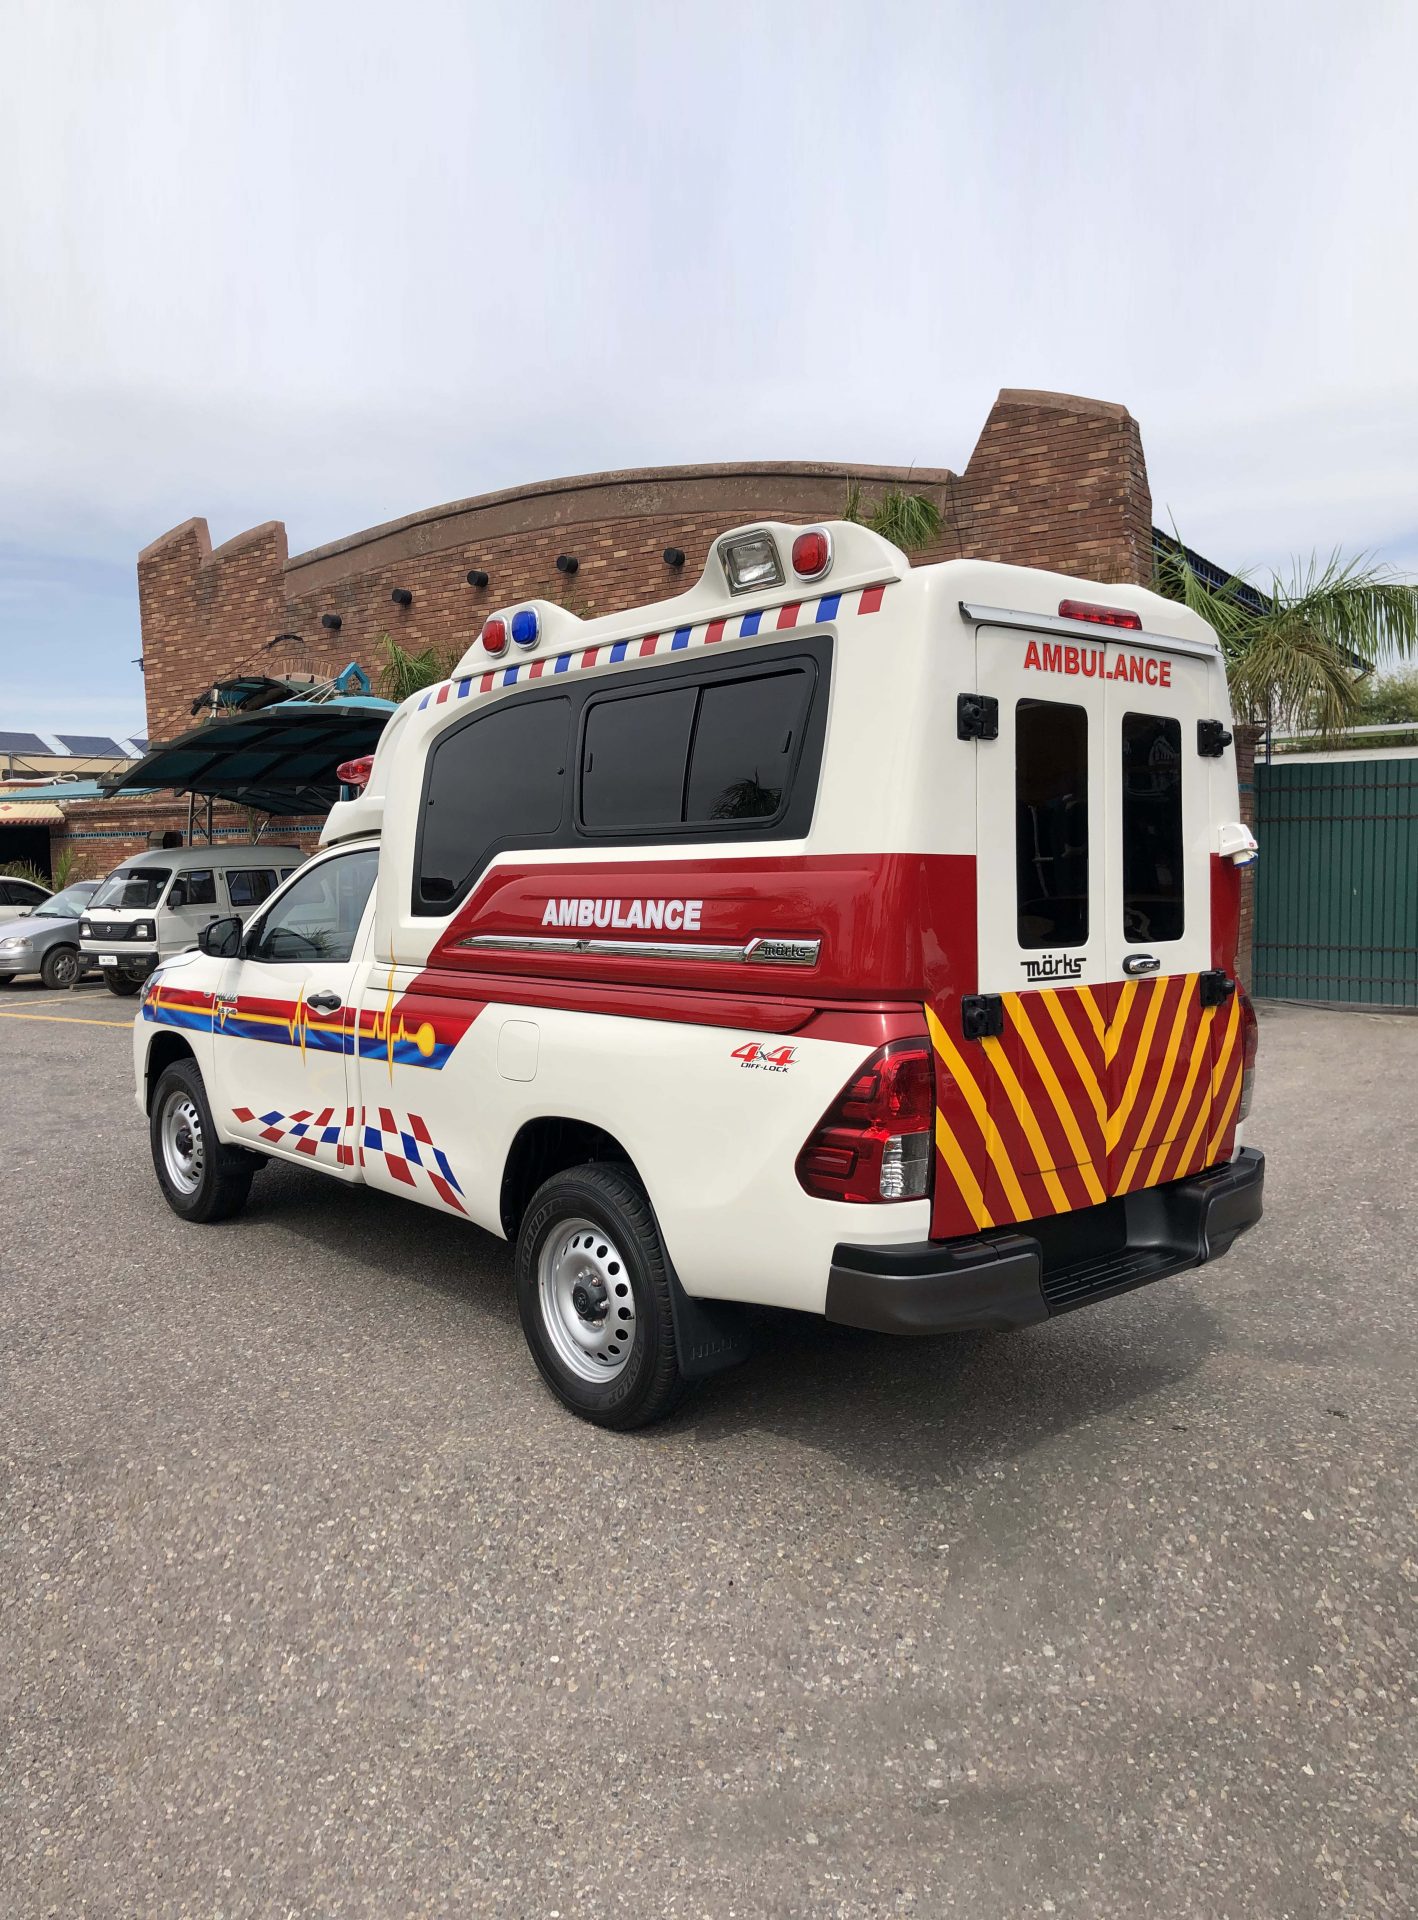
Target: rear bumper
1017,1277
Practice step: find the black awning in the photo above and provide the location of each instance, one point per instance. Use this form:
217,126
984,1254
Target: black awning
278,759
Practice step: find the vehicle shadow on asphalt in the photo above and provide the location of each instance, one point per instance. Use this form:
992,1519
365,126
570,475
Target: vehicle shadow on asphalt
908,1411
912,1411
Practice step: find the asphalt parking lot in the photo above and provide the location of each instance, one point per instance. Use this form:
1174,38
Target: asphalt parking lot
313,1602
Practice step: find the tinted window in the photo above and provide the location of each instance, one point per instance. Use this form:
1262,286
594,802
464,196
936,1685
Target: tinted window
496,782
318,917
199,887
1051,823
633,758
744,744
248,886
24,895
1154,905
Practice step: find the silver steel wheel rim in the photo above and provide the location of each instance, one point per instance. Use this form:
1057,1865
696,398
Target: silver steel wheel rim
65,969
184,1152
586,1299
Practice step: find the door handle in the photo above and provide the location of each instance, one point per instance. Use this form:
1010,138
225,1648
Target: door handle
323,1002
1135,963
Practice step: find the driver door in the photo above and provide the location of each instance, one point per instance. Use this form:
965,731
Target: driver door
286,1021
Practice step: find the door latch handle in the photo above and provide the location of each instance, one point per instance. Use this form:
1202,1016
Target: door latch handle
323,1002
1135,963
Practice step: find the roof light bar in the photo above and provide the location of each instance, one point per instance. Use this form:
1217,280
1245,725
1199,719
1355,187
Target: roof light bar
494,634
526,626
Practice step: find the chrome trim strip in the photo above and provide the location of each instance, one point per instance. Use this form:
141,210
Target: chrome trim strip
762,950
1083,630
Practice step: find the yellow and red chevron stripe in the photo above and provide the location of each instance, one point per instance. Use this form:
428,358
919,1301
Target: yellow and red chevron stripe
1089,1093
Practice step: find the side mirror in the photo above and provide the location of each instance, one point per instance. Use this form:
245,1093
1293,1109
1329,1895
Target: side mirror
222,938
178,896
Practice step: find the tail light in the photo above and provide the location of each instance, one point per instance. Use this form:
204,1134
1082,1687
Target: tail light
355,773
1100,616
874,1141
1250,1043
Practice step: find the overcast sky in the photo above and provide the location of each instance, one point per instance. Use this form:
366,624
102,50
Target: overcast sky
330,263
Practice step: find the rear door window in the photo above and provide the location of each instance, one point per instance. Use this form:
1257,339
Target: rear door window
199,887
1154,880
1051,823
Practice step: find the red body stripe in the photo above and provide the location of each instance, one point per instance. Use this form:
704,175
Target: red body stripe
647,645
386,1120
588,658
714,632
419,1130
871,599
442,693
788,616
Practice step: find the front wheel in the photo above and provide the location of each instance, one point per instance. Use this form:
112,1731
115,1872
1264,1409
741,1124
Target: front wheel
201,1179
120,983
60,967
593,1291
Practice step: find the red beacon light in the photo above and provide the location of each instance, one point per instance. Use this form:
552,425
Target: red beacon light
1100,616
494,635
355,773
812,553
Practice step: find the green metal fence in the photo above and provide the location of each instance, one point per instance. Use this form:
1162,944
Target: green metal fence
1337,881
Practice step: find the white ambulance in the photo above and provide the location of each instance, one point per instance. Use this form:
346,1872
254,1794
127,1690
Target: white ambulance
838,935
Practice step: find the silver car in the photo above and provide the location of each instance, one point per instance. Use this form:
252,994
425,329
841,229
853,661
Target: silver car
46,941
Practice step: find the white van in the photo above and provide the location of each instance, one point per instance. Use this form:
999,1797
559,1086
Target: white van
839,935
156,904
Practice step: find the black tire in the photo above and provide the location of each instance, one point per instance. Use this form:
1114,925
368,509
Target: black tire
220,1176
5,979
645,1383
61,967
120,983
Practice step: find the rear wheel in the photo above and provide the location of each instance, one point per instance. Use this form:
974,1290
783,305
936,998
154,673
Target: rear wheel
201,1179
119,983
593,1291
60,967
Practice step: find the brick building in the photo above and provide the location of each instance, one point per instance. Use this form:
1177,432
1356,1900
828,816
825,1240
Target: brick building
1053,481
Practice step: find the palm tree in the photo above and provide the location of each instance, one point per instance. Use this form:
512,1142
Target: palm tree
908,520
1297,654
405,673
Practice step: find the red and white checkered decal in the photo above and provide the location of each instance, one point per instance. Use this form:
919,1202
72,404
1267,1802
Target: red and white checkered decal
320,1135
403,1140
409,1152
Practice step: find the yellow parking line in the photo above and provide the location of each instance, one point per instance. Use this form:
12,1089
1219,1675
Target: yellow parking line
66,1019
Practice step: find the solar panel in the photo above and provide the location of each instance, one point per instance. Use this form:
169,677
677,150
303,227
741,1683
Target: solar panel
22,743
96,744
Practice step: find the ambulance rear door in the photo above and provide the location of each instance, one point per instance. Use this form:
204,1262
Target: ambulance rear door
1163,1000
1088,1049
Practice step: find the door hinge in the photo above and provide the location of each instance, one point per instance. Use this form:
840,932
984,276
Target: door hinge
982,1016
1212,739
976,716
1216,987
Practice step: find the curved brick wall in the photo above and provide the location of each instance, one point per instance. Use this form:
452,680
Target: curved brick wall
1053,481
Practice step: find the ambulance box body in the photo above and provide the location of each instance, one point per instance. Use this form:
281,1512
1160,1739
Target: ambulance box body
838,935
